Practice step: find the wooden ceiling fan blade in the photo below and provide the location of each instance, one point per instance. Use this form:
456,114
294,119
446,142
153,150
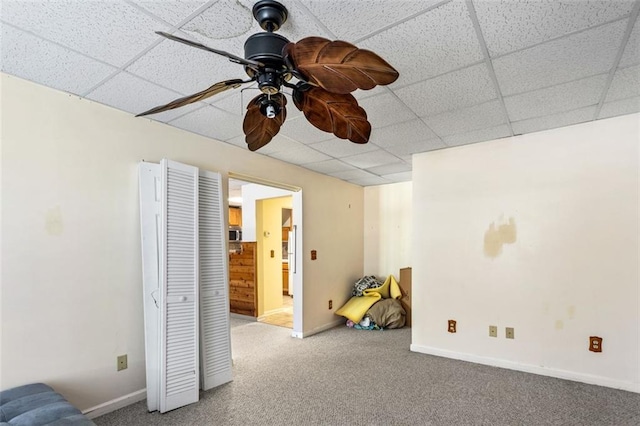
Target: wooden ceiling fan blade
338,66
233,58
213,90
258,128
335,113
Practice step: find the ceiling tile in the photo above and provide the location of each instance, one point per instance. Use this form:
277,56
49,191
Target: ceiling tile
408,131
560,98
461,88
110,31
403,147
625,83
303,131
525,23
398,177
390,168
210,122
235,101
631,54
340,148
372,14
371,159
488,114
368,181
171,11
554,120
184,69
385,109
352,174
301,155
364,94
132,94
329,166
225,19
621,107
478,136
431,44
43,62
580,55
280,143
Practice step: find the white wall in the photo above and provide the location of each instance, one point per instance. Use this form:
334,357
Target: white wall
71,258
250,194
537,232
388,229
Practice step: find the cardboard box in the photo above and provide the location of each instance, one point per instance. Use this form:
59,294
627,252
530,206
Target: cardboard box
405,287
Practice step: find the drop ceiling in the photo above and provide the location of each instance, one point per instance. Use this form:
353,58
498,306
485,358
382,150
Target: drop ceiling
470,71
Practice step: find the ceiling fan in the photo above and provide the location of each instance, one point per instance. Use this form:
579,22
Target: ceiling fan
327,72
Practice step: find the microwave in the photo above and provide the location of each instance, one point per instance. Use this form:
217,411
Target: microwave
235,235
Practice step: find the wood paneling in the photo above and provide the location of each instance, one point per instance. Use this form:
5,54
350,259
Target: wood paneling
243,295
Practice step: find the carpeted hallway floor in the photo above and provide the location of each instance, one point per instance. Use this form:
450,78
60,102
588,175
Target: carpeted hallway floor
350,377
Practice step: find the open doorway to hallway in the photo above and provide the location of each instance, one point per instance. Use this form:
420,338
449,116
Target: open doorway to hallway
264,265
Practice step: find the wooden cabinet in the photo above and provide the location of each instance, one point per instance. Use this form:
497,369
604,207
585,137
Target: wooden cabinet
285,233
243,294
235,216
285,278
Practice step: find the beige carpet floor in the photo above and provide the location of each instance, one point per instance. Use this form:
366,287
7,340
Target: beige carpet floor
351,377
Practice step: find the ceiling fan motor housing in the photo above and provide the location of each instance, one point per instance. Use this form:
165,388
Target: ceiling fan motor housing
266,47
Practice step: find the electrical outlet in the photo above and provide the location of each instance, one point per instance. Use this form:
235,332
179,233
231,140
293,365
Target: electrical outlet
509,333
595,344
330,304
451,326
493,331
122,362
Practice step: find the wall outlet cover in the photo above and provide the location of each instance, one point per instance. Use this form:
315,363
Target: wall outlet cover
122,362
493,331
509,333
595,344
451,328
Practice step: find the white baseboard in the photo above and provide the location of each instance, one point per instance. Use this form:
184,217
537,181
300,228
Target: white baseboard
527,368
318,329
115,404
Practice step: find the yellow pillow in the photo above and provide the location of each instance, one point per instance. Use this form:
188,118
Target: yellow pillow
390,289
357,307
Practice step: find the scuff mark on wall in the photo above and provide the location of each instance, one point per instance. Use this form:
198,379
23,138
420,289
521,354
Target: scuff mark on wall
53,221
498,235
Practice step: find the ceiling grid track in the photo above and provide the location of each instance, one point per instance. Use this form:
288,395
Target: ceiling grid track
487,59
633,17
152,45
401,21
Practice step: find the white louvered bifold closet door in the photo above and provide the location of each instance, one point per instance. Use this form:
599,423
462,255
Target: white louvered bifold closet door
179,287
215,341
150,223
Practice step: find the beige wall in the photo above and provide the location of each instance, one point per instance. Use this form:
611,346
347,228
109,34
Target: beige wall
540,233
71,260
388,225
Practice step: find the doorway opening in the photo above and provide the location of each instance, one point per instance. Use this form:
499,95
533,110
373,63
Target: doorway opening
265,273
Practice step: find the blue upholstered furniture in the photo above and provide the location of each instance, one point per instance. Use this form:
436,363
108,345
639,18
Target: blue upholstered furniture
37,404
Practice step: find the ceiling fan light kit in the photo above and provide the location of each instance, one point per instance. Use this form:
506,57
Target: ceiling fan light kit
327,72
